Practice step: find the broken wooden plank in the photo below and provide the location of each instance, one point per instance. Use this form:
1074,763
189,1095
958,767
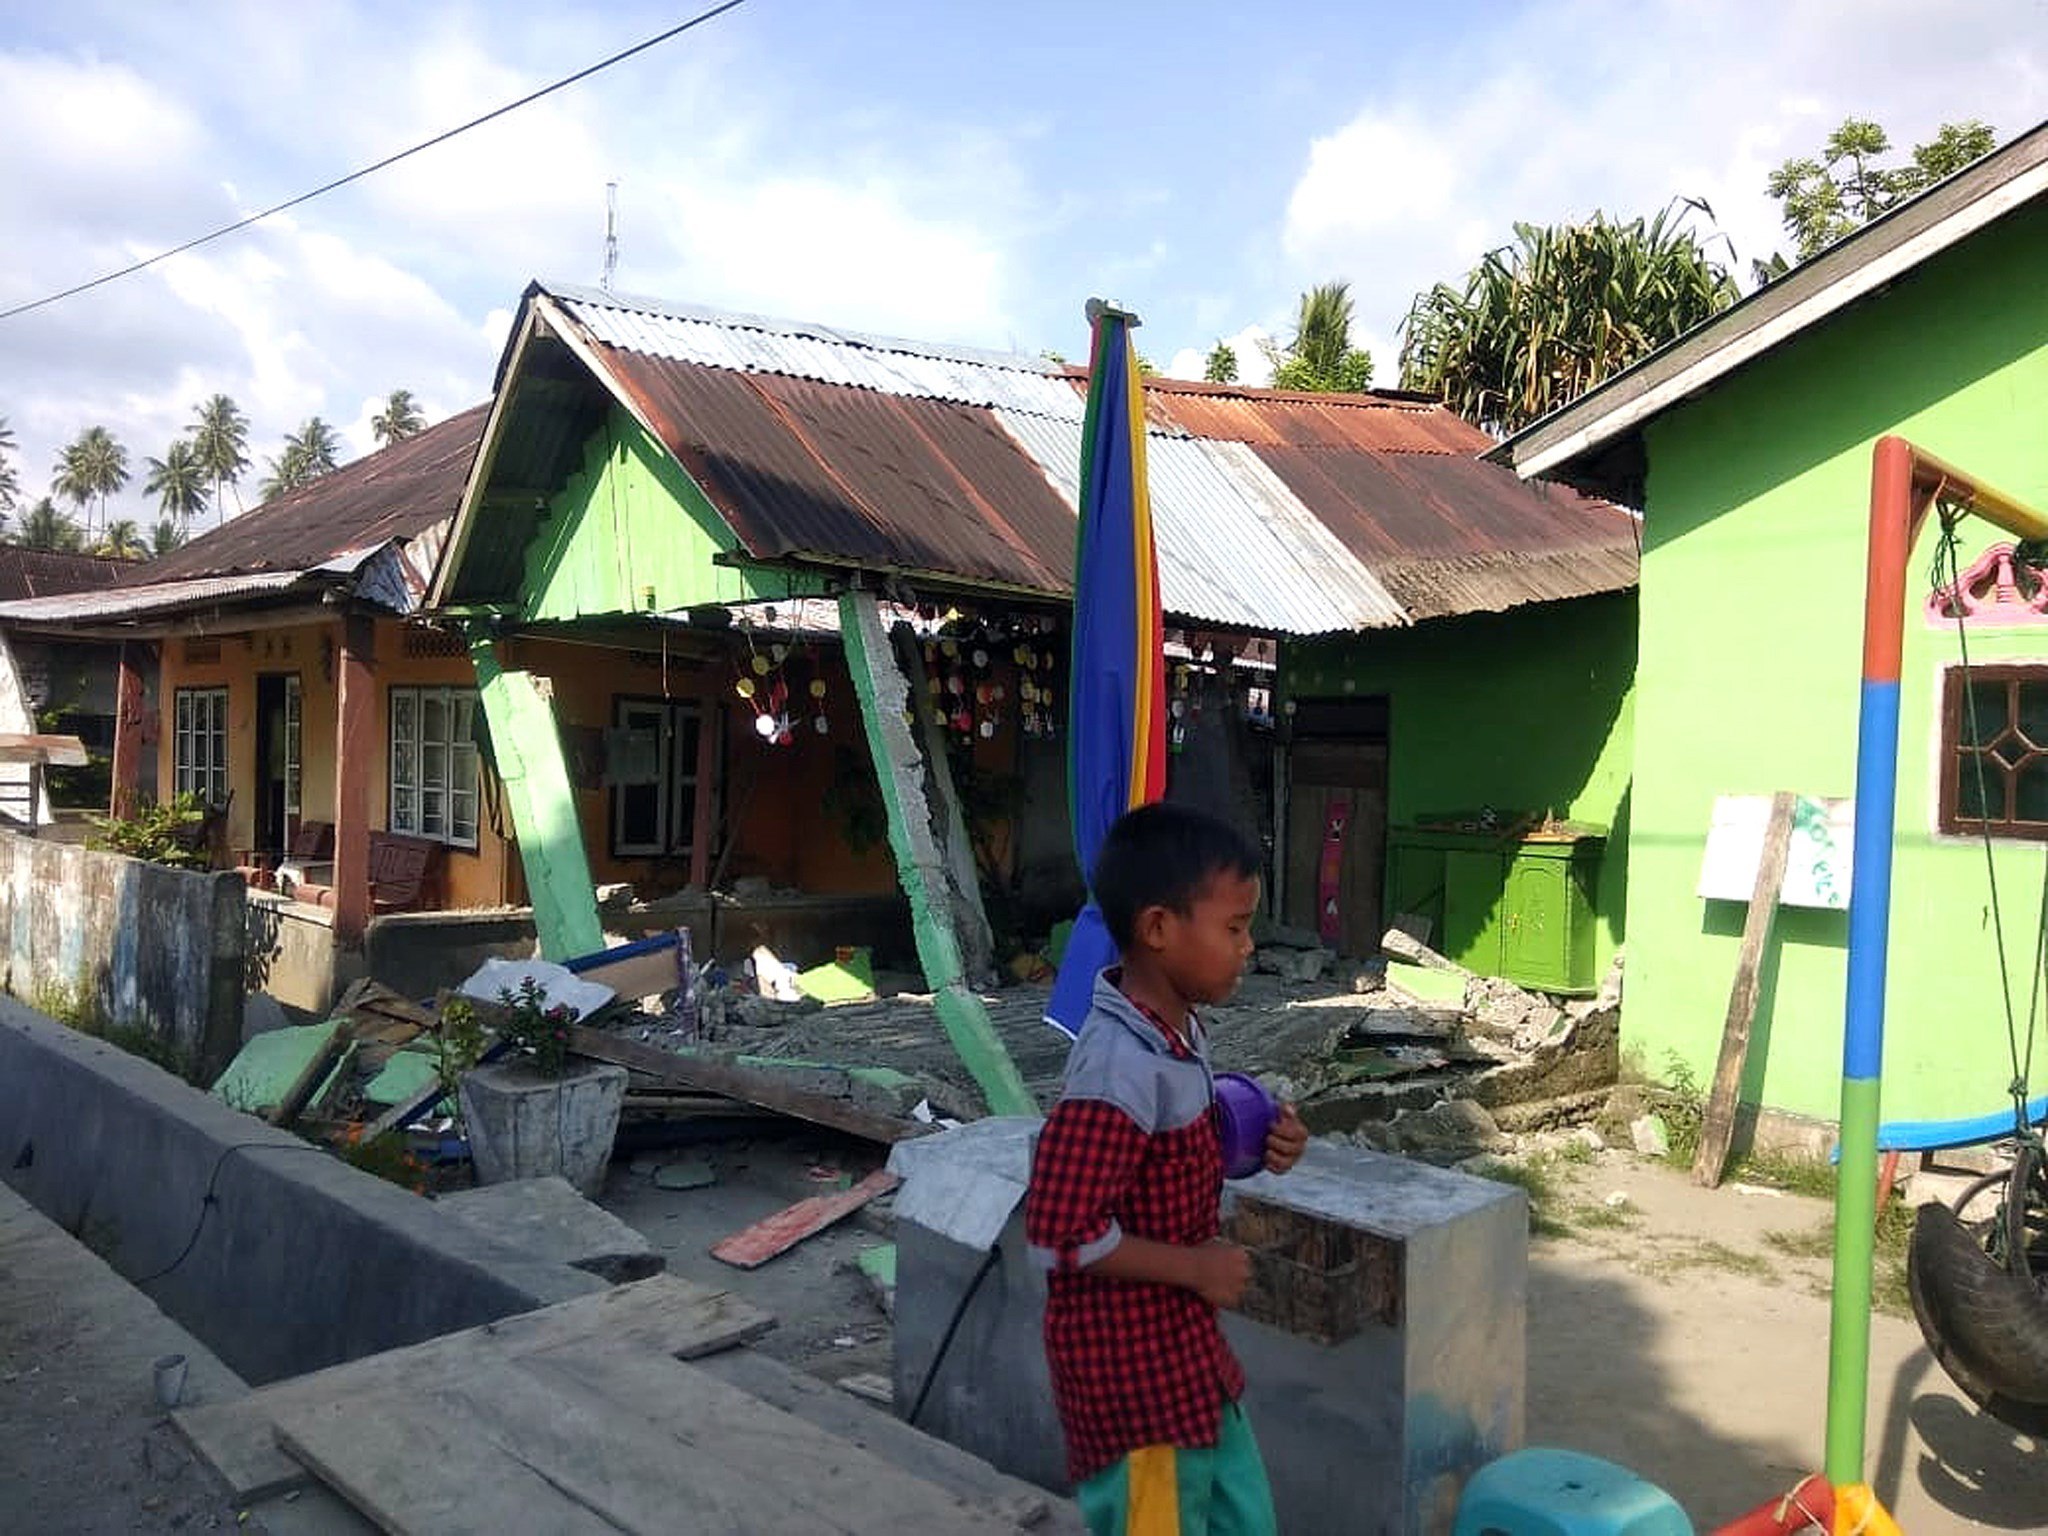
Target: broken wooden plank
605,1440
662,1315
960,1473
1717,1124
736,1082
756,1245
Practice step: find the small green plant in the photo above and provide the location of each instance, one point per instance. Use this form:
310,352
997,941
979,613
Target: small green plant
1536,1177
1789,1171
1683,1109
534,1030
159,834
386,1156
459,1041
77,1007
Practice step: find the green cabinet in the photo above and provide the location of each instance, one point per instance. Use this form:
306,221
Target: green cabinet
1518,906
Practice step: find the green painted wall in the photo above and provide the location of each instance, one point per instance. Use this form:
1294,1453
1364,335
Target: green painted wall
1752,600
631,520
1525,710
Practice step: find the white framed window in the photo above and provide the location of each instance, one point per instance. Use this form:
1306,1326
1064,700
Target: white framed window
651,764
293,777
434,764
199,744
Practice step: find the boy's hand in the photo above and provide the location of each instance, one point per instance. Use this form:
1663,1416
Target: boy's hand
1286,1141
1221,1272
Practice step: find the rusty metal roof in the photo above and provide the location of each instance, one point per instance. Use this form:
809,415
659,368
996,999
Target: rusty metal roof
1276,512
112,603
45,572
398,492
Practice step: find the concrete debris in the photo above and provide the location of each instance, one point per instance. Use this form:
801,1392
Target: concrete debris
1650,1135
1300,966
1449,1133
688,1173
1269,934
546,1220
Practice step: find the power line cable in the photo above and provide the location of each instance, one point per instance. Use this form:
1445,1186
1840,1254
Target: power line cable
389,160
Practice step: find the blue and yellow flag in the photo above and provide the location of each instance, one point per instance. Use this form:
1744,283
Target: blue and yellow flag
1116,695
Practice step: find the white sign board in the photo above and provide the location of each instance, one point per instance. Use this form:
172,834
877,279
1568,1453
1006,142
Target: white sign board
1816,868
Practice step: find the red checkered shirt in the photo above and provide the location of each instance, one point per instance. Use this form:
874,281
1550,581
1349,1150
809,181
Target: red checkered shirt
1133,1363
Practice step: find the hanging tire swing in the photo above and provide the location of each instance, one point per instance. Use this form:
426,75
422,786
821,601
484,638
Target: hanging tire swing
1980,1284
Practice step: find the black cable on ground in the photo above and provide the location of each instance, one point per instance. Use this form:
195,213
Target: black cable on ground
995,1252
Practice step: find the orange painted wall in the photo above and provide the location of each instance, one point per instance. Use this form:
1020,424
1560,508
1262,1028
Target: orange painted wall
472,878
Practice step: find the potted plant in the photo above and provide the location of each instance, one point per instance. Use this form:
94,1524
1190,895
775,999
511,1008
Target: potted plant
539,1109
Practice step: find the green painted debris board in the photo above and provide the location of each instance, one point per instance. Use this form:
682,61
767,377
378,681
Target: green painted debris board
265,1069
341,1069
535,774
879,1265
1425,983
406,1076
850,981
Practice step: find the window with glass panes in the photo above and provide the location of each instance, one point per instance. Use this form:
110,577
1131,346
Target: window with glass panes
199,744
434,764
651,761
1994,752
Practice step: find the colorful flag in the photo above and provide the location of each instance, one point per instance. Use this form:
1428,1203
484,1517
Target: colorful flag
1116,695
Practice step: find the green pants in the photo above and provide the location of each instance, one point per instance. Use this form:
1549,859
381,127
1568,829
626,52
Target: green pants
1177,1490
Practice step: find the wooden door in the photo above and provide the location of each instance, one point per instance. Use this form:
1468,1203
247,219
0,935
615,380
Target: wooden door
1336,784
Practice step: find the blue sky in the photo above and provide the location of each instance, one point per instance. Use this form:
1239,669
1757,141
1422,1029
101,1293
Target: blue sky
954,172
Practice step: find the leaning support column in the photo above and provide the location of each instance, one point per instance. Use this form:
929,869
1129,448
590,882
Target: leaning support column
884,695
528,753
355,721
971,928
131,719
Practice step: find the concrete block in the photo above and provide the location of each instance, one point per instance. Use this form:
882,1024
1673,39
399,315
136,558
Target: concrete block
525,1126
1426,985
546,1219
1374,1433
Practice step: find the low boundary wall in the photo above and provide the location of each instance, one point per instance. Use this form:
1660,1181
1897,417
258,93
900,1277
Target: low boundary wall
147,946
300,1262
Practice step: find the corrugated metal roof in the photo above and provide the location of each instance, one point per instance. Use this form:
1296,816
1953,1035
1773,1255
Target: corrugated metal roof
1272,418
754,344
42,572
1235,548
800,469
132,602
398,492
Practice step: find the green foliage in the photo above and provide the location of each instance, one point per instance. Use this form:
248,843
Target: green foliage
1826,196
77,1007
47,528
1683,1109
533,1029
387,1156
160,834
165,537
178,481
308,454
1221,368
220,442
1538,323
1321,359
122,540
10,477
400,419
459,1041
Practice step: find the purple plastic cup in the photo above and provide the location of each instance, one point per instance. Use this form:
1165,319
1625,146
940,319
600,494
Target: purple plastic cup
1247,1112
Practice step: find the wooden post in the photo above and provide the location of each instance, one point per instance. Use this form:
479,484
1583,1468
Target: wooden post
710,736
356,727
131,711
1717,1128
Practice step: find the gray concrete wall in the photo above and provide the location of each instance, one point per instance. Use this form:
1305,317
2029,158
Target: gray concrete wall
301,1261
149,947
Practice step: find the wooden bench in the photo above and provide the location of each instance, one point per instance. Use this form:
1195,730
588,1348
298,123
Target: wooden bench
405,875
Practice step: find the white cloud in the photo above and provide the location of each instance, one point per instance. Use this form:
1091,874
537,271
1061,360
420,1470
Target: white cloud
1254,366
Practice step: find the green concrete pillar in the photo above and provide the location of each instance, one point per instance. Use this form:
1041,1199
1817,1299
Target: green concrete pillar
528,752
900,768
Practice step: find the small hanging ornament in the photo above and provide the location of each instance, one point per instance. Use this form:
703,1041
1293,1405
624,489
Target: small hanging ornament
817,687
744,687
761,665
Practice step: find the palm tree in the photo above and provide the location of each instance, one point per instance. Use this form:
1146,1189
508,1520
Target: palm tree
123,540
47,528
10,479
1540,322
287,473
178,482
165,537
308,454
220,442
91,468
399,419
1321,358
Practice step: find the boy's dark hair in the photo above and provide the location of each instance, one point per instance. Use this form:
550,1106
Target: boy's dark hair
1164,855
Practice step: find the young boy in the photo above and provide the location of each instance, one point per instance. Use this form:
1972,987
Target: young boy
1126,1186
